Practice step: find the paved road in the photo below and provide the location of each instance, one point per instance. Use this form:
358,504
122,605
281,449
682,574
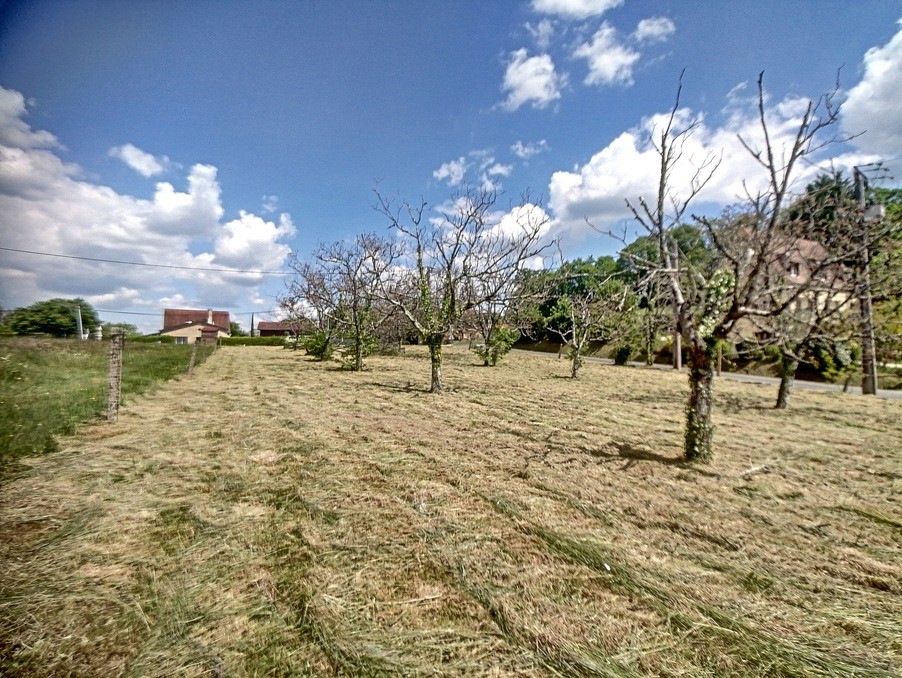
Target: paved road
755,379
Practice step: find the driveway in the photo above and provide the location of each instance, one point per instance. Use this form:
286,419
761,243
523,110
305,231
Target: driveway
756,379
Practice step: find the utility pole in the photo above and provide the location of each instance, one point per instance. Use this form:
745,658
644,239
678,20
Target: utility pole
252,324
78,326
868,349
677,354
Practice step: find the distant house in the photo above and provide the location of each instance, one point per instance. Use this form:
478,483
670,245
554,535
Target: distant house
795,263
189,326
283,328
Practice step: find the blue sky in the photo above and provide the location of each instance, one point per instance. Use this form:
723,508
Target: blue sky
228,134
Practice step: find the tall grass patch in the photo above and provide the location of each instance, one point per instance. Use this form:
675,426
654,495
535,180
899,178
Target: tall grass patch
49,386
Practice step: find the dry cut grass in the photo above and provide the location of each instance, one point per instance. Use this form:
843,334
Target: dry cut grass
276,516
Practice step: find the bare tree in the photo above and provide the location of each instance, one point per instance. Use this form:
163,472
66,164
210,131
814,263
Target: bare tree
339,283
464,257
708,307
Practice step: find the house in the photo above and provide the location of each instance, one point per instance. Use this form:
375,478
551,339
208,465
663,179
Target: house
804,271
283,328
189,326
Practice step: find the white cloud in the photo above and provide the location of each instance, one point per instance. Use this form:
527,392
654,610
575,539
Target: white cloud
269,204
250,242
542,33
497,169
526,151
656,29
452,172
530,80
628,167
14,131
575,9
47,206
874,105
142,162
609,61
523,219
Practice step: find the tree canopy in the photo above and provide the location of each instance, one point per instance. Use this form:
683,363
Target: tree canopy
55,317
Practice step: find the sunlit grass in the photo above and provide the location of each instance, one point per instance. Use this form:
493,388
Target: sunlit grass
272,515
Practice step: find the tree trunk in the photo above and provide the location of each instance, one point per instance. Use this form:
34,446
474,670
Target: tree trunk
699,439
788,366
358,355
435,357
576,362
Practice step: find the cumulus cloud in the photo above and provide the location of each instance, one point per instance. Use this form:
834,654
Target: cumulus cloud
530,80
14,131
575,9
655,29
452,172
142,162
609,61
873,105
628,167
250,242
524,218
47,206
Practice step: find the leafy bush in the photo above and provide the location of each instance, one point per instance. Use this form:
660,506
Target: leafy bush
498,345
834,360
319,345
622,354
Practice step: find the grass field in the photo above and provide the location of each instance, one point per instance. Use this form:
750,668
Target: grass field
50,386
273,516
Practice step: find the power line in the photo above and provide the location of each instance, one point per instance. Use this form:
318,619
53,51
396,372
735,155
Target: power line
159,313
138,263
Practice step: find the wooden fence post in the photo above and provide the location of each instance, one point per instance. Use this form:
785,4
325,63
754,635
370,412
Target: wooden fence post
192,358
114,382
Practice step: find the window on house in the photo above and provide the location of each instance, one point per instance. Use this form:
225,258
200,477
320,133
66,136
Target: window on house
181,340
793,268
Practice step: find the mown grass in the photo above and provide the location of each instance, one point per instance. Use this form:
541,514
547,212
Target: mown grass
50,386
303,520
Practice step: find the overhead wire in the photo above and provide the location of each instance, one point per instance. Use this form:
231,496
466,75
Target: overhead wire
138,263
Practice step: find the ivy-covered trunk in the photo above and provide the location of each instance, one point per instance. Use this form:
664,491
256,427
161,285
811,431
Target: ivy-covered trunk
435,357
699,442
358,352
576,361
788,367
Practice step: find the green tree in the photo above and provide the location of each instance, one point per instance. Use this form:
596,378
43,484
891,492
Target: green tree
127,329
55,317
235,330
587,303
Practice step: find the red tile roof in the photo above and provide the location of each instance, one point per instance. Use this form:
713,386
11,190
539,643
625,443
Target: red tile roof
177,317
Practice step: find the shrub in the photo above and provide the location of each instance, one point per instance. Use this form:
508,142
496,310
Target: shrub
498,345
319,345
622,354
834,360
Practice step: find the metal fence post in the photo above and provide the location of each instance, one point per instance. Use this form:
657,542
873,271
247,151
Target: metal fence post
114,382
